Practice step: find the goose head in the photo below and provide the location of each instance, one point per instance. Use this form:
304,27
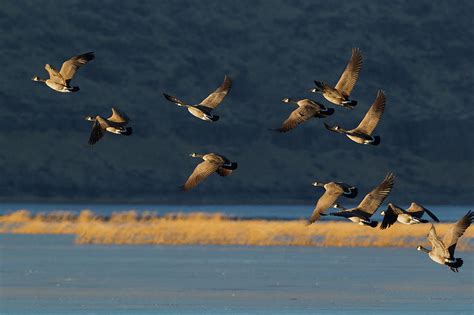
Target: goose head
90,118
285,100
36,78
421,248
317,184
194,155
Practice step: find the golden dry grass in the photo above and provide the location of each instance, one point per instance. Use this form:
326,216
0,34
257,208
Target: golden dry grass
131,228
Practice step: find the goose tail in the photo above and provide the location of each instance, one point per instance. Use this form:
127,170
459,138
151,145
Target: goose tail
376,140
327,112
127,132
349,103
455,265
373,224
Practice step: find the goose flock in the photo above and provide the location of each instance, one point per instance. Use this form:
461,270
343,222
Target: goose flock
442,251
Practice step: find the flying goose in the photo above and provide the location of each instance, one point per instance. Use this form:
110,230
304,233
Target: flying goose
367,207
204,108
332,191
410,216
363,133
116,124
212,163
60,81
306,109
339,94
442,251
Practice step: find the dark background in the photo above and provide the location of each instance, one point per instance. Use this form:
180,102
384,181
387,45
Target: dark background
419,52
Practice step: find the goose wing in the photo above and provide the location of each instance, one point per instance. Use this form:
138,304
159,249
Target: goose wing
390,216
69,67
374,199
349,77
54,75
298,116
373,115
203,170
216,97
437,246
98,130
417,211
456,231
118,117
333,191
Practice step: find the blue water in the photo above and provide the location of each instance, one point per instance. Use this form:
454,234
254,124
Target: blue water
444,213
48,274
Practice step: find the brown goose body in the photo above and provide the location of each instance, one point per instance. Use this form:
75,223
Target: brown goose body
339,94
60,81
306,110
204,108
442,251
213,163
116,124
410,216
362,134
332,191
363,212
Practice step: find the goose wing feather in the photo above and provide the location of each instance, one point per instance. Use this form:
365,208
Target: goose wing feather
456,231
298,116
374,199
201,172
216,97
333,191
69,67
373,115
350,75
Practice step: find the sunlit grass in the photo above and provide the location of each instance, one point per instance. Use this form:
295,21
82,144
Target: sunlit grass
131,228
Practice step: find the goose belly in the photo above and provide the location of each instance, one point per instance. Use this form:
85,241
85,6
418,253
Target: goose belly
114,130
199,114
333,96
405,219
437,259
357,139
57,87
355,220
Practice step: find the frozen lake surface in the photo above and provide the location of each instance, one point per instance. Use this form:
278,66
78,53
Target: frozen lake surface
45,274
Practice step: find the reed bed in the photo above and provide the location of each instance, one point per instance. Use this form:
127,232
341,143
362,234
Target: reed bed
131,228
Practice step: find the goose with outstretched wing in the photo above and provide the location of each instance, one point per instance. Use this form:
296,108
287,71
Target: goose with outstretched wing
339,94
213,163
204,108
442,251
363,212
362,134
332,191
60,81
